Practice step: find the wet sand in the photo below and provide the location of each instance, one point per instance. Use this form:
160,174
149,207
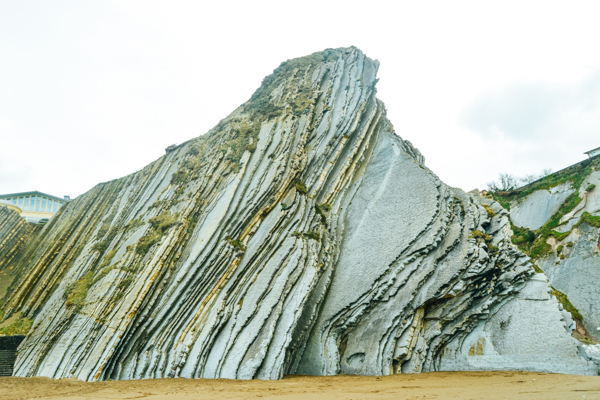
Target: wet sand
437,385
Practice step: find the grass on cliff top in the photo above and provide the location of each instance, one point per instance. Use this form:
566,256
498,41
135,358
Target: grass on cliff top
574,174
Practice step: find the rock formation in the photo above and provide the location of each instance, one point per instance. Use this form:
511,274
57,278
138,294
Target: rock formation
14,232
557,221
300,235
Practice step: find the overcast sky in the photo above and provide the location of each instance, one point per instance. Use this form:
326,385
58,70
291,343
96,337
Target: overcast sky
94,90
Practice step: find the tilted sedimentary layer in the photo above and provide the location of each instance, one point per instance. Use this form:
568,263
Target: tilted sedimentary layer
300,235
14,232
557,221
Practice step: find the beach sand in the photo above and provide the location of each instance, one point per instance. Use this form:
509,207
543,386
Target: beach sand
437,385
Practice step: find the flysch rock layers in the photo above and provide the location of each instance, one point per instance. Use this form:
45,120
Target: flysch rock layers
14,232
300,235
573,262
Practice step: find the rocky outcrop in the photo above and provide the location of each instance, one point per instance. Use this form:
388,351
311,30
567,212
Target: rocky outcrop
300,235
566,242
536,209
14,232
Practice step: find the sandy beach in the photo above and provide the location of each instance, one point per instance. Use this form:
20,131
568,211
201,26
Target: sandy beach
438,385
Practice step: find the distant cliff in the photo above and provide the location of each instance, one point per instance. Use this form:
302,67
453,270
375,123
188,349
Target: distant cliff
556,220
300,235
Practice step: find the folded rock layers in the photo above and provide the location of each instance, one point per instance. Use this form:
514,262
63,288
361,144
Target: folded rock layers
300,235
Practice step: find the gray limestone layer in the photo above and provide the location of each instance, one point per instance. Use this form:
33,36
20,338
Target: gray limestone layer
573,265
300,235
536,209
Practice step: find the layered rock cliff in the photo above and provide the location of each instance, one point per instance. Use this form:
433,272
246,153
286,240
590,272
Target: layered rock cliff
300,235
557,221
14,233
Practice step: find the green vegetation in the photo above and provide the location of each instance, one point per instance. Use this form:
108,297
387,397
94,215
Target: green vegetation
123,285
477,234
19,327
560,235
535,244
540,249
100,246
312,235
589,219
584,339
322,210
108,258
133,224
260,100
505,203
574,174
570,203
238,245
179,177
562,299
251,147
103,245
489,210
159,226
487,239
103,230
522,237
307,235
75,294
590,187
300,186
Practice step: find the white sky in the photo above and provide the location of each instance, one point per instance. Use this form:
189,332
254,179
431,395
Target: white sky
93,90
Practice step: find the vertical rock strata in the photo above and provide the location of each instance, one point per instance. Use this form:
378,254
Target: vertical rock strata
300,235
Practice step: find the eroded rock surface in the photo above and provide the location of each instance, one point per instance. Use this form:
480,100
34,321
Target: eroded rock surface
14,233
567,242
300,235
536,209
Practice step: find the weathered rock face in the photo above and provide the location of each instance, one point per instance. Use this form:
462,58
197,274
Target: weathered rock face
300,235
14,232
536,209
571,259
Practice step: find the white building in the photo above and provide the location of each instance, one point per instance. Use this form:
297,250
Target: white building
593,153
35,207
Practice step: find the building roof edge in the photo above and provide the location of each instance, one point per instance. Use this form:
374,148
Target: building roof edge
34,192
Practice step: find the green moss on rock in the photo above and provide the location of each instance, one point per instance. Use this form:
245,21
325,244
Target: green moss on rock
75,295
564,300
19,327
